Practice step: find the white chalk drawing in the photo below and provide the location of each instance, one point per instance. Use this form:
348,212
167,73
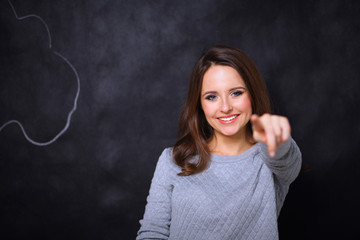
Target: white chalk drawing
77,92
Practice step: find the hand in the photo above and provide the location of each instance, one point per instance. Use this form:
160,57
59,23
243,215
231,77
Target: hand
273,130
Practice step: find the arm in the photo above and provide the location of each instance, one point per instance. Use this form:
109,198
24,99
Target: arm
286,163
279,150
157,216
285,166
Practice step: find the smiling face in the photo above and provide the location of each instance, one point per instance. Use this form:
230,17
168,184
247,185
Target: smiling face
225,101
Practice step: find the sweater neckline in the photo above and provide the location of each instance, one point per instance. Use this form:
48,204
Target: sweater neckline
234,158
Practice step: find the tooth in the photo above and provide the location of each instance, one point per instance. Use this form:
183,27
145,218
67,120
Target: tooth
229,118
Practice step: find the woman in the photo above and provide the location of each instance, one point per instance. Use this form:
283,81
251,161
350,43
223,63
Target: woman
229,172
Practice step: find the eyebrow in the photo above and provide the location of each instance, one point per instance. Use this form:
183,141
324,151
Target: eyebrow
231,89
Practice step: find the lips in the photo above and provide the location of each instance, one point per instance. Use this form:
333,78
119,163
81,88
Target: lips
228,119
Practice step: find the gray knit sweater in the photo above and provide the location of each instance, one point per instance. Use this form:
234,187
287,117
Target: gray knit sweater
237,197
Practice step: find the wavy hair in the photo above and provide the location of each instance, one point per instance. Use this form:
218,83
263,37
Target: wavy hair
194,132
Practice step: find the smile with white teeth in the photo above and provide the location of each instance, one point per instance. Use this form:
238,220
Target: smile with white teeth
229,118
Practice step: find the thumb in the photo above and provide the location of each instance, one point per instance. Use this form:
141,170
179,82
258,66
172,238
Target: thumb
258,129
256,124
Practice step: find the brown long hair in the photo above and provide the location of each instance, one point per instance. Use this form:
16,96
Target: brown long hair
194,130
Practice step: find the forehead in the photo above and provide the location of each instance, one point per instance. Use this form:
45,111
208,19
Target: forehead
219,77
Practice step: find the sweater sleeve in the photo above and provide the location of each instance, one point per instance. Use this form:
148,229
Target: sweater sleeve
285,167
156,221
287,162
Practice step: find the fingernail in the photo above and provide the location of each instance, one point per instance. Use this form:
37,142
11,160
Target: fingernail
272,154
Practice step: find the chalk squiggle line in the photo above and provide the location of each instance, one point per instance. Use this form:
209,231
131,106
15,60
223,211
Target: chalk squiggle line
77,92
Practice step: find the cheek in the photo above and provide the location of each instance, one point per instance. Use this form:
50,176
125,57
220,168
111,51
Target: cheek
208,109
244,104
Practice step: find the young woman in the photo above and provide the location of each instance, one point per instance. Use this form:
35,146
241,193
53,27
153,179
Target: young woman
228,174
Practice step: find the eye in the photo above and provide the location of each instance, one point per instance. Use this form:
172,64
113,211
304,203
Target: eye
237,93
210,97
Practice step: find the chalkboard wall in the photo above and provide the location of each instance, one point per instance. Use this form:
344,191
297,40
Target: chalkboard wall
96,88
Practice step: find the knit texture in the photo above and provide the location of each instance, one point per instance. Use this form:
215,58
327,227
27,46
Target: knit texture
236,197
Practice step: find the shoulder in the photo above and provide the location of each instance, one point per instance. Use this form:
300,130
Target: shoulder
166,159
166,156
167,152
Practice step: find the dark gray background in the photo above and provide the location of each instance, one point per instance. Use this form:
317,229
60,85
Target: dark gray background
134,59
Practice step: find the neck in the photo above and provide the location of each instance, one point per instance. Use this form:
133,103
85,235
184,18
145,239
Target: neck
229,145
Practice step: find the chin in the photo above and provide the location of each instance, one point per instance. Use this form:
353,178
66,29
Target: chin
229,133
232,131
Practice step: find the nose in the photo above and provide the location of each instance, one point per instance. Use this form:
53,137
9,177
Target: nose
226,105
